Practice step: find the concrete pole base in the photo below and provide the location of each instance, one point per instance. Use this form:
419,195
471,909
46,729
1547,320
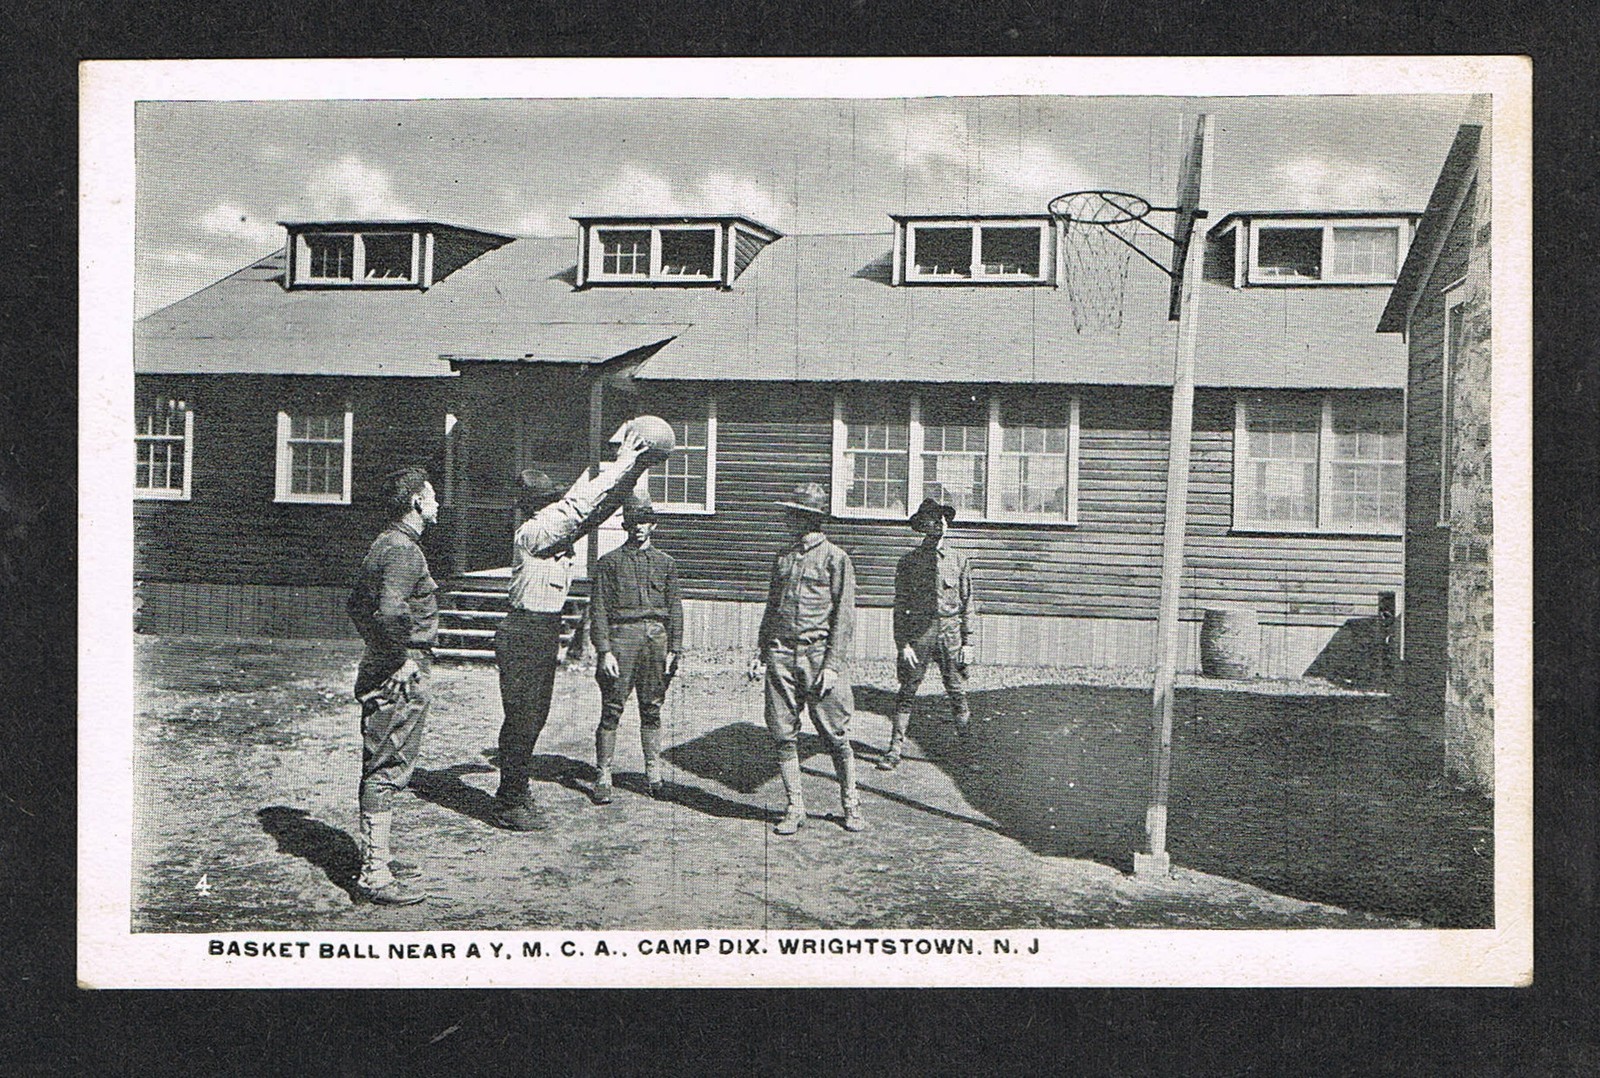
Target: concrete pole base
1152,864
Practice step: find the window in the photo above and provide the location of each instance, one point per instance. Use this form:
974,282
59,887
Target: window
164,452
958,252
357,258
1334,252
995,458
1454,340
670,254
314,457
686,481
1333,463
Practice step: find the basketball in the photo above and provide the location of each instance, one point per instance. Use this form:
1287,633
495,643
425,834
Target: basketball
658,433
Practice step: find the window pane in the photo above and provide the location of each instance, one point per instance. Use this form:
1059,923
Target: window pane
1010,250
943,252
1277,477
388,256
1365,252
688,252
332,257
1289,252
625,251
1031,472
1367,463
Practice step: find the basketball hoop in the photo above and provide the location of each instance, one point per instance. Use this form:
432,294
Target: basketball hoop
1097,234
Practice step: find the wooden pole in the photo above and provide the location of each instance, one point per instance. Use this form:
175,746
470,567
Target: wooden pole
1156,861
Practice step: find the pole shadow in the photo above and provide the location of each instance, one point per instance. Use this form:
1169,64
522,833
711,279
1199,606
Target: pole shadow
328,848
693,798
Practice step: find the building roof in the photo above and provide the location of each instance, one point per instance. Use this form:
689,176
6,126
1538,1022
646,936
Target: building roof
809,308
1437,220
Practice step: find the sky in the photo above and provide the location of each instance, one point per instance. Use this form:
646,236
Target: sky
213,179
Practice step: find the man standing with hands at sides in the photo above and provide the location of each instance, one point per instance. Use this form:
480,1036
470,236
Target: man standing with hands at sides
933,619
395,608
636,624
803,650
528,641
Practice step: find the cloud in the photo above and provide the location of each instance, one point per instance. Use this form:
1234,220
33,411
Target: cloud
996,169
349,187
1336,182
228,221
638,190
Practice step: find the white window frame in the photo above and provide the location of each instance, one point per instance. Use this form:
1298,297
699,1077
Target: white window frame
975,270
358,260
284,478
169,494
1328,227
1455,302
1324,486
709,506
596,260
914,470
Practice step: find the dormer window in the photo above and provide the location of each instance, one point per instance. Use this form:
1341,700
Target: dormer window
380,254
1280,249
369,258
676,251
1015,250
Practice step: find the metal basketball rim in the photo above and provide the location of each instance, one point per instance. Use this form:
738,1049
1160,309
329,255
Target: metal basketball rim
1095,269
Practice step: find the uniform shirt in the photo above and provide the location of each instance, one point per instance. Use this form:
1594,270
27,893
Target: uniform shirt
930,583
394,602
542,561
632,583
812,594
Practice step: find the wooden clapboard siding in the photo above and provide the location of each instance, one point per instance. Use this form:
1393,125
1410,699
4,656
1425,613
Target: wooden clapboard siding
1427,550
772,438
200,608
231,530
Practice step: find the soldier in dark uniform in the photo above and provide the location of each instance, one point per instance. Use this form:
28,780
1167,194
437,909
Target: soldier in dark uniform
933,619
636,624
395,607
803,651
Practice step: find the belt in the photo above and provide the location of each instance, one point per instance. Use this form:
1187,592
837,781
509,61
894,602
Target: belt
815,636
661,618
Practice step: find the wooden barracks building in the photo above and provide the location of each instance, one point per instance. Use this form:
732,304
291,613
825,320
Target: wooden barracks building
939,358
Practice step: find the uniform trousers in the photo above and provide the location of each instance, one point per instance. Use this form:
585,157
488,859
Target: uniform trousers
793,672
526,648
391,730
640,648
940,642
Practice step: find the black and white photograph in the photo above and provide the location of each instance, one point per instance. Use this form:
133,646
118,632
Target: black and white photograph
761,523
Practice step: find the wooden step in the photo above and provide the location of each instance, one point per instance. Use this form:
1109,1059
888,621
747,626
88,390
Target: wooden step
491,615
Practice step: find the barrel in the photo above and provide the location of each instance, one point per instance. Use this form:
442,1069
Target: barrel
1230,637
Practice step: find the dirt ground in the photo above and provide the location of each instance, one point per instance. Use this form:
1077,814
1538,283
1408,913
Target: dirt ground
1293,805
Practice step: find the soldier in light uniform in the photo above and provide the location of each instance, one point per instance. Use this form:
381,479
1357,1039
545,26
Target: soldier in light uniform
636,625
803,650
933,619
528,640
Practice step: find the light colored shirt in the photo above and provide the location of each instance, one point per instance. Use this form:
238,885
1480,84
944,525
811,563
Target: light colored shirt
542,561
811,597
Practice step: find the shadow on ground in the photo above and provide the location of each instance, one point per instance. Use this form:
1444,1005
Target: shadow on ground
1325,798
328,848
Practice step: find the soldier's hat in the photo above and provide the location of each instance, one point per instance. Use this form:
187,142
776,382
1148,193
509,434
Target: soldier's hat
637,510
808,498
931,508
535,490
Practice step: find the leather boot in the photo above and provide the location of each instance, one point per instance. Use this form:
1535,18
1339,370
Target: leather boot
650,743
605,750
844,762
377,883
789,767
891,759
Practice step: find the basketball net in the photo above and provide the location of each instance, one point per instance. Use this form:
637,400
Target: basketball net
1097,237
